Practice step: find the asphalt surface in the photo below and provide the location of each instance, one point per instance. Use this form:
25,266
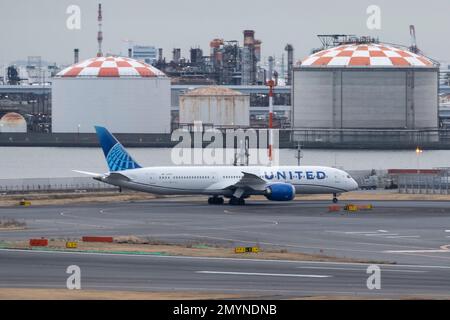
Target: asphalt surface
257,279
412,233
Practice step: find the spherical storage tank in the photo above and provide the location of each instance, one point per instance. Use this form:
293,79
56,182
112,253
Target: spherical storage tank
123,94
13,122
365,86
215,105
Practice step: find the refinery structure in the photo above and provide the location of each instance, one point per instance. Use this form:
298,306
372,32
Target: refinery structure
350,89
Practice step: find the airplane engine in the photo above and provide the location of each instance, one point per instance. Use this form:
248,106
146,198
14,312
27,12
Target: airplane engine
280,192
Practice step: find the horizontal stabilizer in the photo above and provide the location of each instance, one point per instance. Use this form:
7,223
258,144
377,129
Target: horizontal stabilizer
89,173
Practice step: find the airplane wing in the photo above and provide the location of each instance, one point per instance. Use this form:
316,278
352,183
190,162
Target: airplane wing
252,181
248,183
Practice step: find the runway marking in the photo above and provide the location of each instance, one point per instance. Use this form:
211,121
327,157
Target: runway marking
351,232
442,249
361,269
378,233
395,237
417,251
381,234
359,232
266,274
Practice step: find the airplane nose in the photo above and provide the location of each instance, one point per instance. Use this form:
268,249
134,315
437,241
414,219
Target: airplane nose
355,185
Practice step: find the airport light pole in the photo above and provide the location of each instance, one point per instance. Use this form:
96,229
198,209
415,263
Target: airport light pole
418,153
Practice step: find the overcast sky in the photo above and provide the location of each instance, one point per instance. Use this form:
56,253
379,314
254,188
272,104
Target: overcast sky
38,27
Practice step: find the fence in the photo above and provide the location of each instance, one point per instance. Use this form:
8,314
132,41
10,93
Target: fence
53,184
424,183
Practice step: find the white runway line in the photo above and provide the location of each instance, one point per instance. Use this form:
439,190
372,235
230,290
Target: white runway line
418,251
363,270
381,234
395,237
265,274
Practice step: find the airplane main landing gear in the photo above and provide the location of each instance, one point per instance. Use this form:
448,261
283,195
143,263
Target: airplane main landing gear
237,201
215,200
335,199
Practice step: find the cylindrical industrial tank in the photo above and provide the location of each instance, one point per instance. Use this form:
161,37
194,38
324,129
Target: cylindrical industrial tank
365,86
123,94
219,106
13,122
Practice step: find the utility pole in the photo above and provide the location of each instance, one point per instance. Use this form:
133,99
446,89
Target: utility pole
299,153
270,84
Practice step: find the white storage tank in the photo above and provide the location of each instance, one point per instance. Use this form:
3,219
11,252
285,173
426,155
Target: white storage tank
123,94
219,106
13,122
365,86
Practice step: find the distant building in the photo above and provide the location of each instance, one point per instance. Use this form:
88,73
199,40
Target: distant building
218,106
147,54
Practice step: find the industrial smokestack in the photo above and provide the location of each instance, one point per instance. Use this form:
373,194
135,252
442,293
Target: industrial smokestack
258,50
100,33
290,57
130,53
76,55
412,33
249,58
249,37
270,72
160,54
176,55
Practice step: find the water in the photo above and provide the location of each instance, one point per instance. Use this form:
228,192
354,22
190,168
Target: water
45,162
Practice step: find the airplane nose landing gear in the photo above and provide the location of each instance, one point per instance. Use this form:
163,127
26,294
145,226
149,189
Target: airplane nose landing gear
335,199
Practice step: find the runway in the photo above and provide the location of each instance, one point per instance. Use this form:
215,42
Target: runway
257,279
413,233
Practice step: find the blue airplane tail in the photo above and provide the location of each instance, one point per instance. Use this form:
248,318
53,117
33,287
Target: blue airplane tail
116,156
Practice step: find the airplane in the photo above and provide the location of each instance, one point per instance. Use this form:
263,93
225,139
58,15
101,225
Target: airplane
237,183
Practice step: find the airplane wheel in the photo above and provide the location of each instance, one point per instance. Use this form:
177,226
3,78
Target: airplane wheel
237,201
215,200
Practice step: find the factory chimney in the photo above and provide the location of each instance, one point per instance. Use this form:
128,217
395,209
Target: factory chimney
76,55
412,32
160,54
130,54
270,73
100,33
249,58
290,57
176,55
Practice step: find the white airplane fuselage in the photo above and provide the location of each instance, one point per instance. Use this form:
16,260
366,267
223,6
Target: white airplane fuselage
215,180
